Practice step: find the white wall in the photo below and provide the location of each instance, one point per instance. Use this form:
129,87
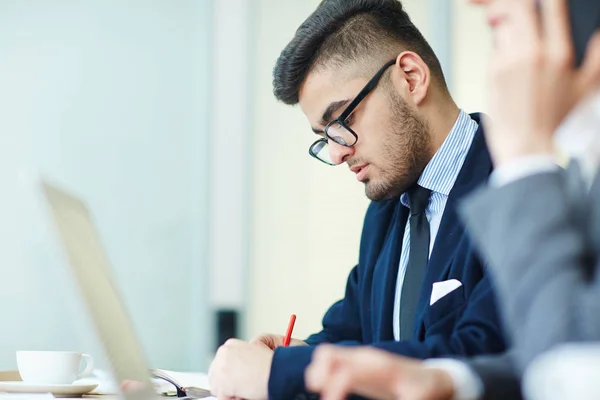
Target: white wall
231,138
299,230
471,49
111,101
307,217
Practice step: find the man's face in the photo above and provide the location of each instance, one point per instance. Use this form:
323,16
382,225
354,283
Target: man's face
393,144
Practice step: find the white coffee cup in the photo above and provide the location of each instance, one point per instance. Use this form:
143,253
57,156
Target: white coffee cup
53,367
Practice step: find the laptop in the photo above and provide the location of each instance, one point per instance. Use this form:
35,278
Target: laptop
90,266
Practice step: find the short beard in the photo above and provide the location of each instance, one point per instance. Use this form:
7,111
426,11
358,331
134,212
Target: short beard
407,150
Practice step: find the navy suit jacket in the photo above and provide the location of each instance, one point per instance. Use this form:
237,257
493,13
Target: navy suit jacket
463,323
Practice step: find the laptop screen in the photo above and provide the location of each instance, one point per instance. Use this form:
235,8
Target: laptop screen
90,266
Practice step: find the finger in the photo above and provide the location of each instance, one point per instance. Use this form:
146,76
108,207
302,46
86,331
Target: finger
311,378
557,31
498,18
213,380
265,337
131,386
316,374
258,339
315,378
268,340
233,342
589,74
339,384
320,368
516,28
525,21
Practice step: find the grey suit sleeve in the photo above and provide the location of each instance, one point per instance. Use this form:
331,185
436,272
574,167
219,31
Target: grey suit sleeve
531,234
498,375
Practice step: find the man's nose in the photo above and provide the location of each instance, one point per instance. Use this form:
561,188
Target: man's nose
339,153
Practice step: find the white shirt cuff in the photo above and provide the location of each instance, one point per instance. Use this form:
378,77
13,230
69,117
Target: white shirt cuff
522,168
467,385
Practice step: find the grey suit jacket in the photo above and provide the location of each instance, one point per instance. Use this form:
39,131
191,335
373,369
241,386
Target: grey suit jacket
541,239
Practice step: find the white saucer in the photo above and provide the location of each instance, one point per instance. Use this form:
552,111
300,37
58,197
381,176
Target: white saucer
73,390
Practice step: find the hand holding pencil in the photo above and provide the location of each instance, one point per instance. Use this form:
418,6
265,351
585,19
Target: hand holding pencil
241,369
273,341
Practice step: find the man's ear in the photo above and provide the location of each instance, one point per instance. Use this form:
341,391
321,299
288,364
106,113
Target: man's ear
411,76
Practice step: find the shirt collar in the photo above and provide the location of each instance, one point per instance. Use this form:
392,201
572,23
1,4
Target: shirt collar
442,170
578,137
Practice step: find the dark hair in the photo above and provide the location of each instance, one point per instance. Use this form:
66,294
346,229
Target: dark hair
343,31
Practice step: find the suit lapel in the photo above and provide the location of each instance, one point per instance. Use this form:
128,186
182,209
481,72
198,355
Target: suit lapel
475,170
585,201
385,275
594,220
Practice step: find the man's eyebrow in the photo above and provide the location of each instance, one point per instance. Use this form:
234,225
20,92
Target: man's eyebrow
333,107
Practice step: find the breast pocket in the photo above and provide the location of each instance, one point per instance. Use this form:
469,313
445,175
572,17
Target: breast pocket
445,312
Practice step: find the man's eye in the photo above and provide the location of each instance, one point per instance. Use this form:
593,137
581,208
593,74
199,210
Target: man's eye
349,120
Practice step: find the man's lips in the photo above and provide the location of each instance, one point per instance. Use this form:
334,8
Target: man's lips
360,171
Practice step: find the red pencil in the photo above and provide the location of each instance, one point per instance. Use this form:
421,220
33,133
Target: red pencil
290,329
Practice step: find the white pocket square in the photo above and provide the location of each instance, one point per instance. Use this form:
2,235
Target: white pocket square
441,289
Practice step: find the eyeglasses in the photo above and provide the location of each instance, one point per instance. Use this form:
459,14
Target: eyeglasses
183,393
338,129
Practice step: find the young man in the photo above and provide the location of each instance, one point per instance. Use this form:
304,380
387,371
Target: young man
537,225
374,94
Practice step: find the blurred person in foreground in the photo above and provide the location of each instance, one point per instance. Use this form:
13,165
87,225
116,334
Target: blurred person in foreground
374,94
537,225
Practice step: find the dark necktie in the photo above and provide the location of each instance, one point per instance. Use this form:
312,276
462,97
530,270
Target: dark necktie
418,199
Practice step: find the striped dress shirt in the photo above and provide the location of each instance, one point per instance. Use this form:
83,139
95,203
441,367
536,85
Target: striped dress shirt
438,176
